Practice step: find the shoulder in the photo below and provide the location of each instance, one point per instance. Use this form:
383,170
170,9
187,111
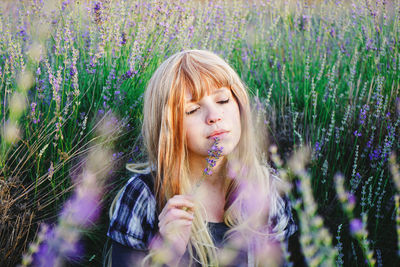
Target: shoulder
282,220
134,218
136,194
139,184
281,217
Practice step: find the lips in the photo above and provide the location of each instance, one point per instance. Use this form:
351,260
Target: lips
216,133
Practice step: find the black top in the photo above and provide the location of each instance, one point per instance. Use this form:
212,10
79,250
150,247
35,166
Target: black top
122,255
217,231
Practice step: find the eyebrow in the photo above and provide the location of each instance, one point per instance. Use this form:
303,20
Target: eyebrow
216,91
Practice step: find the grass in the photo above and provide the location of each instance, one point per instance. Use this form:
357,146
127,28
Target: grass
325,72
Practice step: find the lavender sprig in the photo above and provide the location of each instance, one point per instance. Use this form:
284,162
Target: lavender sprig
213,155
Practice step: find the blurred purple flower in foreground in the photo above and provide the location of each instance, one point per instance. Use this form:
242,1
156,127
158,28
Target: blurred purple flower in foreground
83,208
55,248
61,242
356,226
79,212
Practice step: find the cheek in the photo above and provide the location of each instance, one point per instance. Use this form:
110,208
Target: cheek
191,132
237,121
189,125
235,114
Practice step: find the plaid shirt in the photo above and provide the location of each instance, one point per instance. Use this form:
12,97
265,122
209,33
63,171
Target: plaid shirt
135,221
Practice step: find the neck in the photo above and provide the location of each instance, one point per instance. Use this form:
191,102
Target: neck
198,165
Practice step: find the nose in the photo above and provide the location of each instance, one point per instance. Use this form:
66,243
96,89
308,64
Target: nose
213,115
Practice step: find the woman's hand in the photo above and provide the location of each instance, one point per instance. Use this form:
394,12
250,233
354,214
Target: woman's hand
175,222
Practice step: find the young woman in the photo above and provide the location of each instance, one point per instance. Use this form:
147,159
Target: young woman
171,212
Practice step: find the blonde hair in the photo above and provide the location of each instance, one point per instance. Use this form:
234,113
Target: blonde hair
199,72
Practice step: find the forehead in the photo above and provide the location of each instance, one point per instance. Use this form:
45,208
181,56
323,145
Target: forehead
189,95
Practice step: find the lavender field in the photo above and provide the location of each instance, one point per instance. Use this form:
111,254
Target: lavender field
324,77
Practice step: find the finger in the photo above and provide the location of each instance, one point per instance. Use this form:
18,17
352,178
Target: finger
174,214
181,201
174,227
188,197
178,201
177,214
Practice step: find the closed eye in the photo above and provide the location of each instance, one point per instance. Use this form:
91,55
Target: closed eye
192,111
223,101
219,102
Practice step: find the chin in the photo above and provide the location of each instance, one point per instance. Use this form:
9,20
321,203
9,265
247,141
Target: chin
227,149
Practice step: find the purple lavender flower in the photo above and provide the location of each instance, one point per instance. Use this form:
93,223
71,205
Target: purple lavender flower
128,74
369,45
123,38
356,226
191,31
22,33
33,106
376,154
298,184
332,32
278,65
317,147
351,198
207,171
84,207
369,143
117,155
213,155
97,12
64,4
211,162
72,71
55,248
363,114
46,256
61,242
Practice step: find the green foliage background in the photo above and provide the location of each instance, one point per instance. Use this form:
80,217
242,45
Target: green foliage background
322,73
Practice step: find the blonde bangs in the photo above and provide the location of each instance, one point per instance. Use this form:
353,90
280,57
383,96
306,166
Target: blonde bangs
199,77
